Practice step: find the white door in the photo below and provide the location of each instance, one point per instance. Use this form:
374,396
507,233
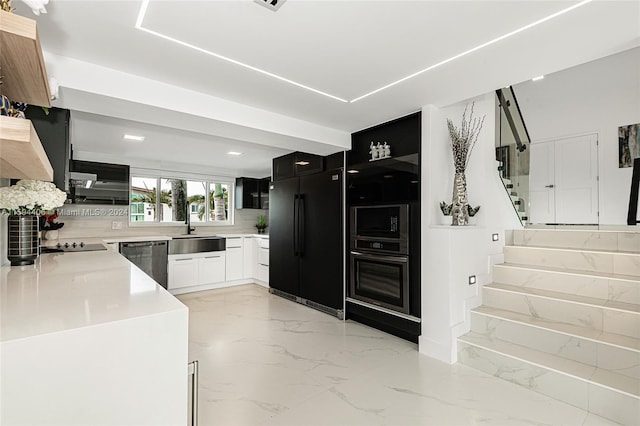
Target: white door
577,180
542,206
564,181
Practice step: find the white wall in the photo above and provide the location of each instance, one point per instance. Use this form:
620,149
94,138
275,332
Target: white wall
596,97
451,254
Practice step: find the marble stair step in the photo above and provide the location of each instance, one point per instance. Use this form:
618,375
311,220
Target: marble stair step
626,241
598,314
616,353
599,391
613,262
607,286
556,363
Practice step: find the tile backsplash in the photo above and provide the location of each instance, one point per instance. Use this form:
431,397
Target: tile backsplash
82,222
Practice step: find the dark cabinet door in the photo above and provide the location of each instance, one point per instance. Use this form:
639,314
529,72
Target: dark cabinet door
297,164
321,254
283,261
53,131
283,167
247,193
252,193
263,191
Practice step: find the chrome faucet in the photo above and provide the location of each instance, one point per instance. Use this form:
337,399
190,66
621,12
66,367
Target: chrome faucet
188,221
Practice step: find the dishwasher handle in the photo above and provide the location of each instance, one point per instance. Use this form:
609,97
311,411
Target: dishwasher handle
144,244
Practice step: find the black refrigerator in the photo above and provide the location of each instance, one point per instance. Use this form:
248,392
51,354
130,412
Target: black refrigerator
306,238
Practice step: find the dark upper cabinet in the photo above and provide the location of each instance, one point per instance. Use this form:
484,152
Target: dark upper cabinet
402,134
263,190
53,131
297,164
252,193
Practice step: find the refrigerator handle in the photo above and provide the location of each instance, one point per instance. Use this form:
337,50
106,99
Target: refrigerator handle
296,219
301,225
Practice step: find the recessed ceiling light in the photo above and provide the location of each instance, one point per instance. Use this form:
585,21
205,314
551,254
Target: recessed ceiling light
145,4
234,153
540,77
133,138
353,171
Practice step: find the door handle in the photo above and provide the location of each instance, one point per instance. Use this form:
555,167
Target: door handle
397,259
296,218
548,186
301,224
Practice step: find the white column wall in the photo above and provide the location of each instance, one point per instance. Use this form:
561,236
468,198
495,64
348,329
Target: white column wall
451,254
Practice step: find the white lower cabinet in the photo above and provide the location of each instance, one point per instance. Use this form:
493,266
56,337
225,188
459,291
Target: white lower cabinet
212,268
263,273
182,272
249,256
235,259
245,259
188,270
262,260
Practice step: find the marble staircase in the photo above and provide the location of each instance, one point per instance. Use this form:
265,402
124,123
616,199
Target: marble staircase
562,317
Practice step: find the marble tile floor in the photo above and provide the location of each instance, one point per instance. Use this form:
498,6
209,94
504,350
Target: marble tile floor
267,361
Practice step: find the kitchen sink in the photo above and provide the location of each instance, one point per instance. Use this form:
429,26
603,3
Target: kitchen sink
195,244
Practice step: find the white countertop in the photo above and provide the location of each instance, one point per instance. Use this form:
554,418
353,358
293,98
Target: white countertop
134,239
65,291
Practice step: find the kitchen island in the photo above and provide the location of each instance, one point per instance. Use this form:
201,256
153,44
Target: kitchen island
88,338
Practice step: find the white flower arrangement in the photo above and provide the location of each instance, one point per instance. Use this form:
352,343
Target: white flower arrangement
30,197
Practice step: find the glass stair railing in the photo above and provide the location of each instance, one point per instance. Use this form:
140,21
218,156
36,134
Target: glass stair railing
512,141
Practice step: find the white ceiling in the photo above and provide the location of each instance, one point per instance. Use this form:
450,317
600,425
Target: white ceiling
345,48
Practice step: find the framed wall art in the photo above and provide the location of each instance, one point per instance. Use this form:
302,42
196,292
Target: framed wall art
628,144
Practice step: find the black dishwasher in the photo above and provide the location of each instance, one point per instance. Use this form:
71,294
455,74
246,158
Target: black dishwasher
150,256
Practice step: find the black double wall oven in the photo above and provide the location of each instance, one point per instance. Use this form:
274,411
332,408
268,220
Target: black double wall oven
379,256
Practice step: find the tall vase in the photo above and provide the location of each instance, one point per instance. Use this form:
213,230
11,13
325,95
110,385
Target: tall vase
460,209
22,239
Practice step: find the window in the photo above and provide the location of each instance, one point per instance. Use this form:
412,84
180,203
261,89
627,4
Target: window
143,199
169,200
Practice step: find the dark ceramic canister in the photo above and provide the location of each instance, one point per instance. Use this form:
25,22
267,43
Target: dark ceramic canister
22,239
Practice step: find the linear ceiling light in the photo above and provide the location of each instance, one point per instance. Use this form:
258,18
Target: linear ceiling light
481,46
143,11
540,77
145,4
